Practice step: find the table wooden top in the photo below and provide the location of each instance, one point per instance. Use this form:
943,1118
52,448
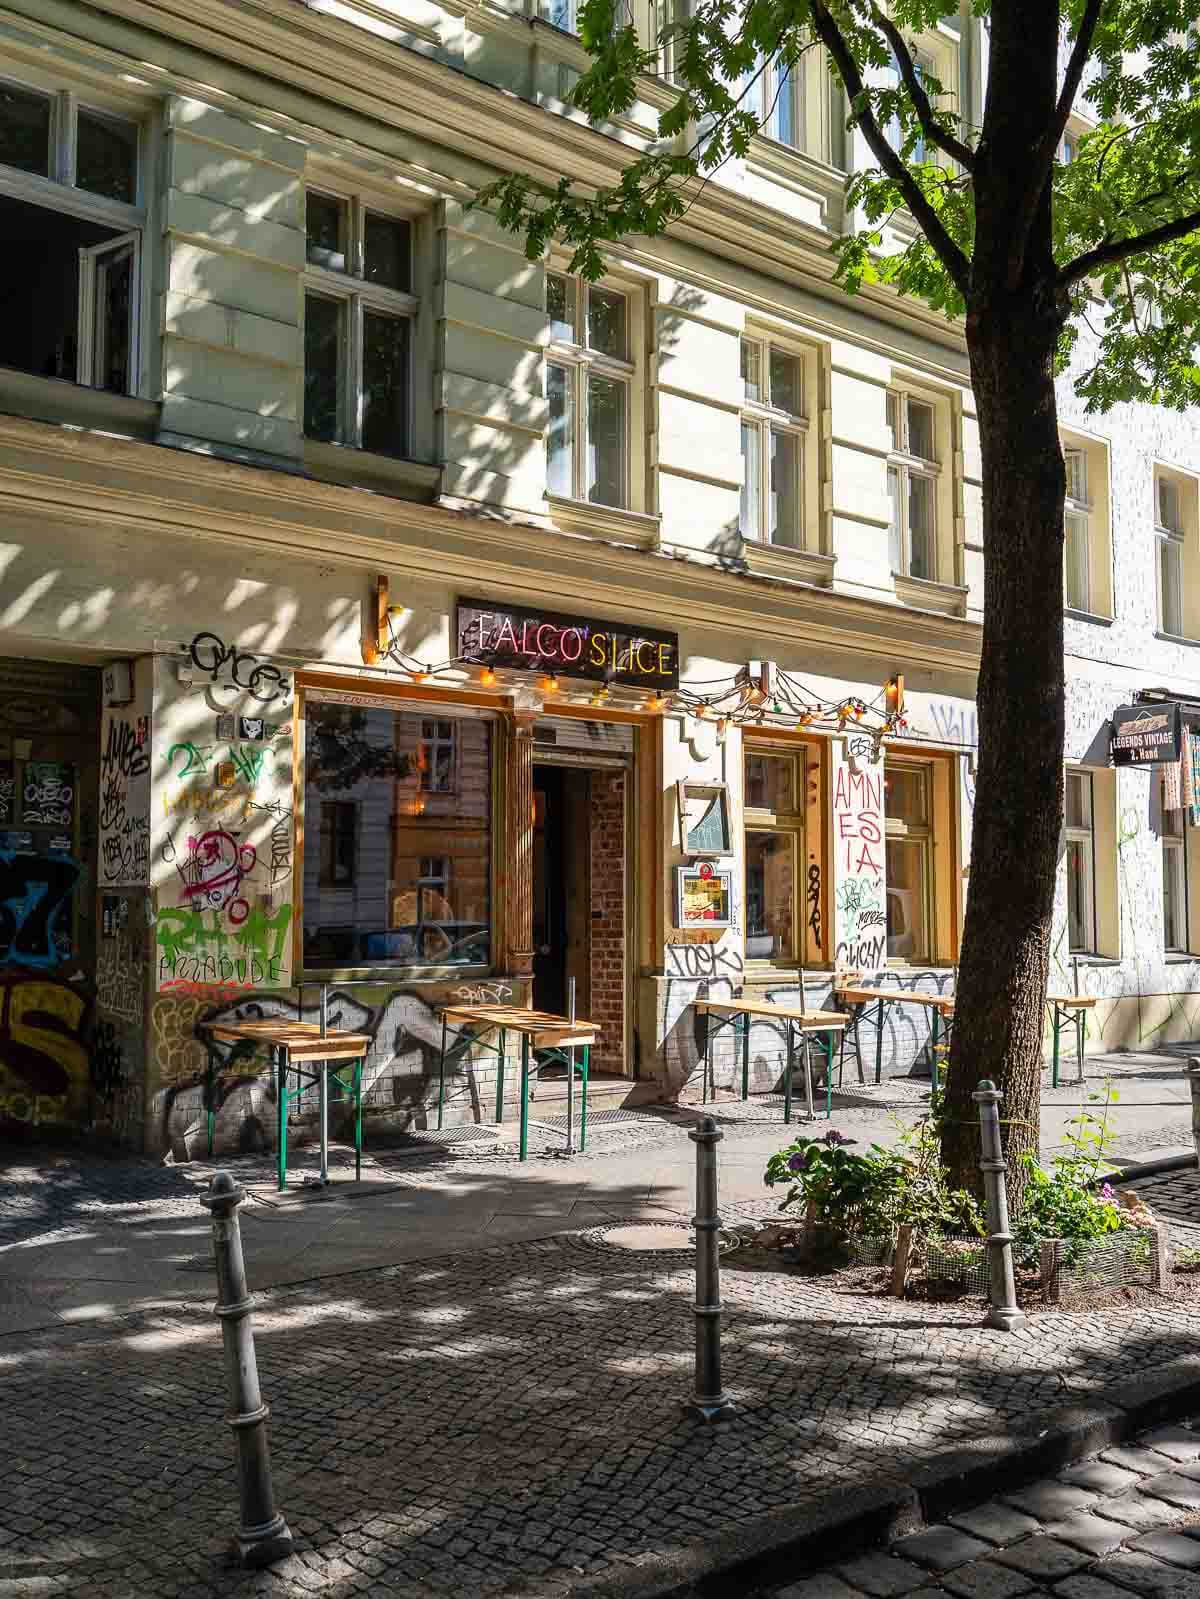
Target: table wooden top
543,1027
1073,1001
302,1040
815,1020
856,995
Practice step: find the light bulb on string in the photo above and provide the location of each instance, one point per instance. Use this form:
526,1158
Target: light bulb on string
487,677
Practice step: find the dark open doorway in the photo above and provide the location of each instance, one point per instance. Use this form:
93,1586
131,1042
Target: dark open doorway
561,888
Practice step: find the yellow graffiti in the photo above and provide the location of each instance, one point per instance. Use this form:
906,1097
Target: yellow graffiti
178,1053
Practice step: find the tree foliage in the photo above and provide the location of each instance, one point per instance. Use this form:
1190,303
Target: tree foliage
1125,209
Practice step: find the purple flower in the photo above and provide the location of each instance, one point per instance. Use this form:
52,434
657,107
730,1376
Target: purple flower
1108,1192
833,1138
796,1163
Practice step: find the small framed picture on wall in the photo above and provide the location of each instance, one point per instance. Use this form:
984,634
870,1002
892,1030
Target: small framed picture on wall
703,895
704,818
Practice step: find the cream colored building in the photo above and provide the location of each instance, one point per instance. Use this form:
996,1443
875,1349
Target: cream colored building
291,436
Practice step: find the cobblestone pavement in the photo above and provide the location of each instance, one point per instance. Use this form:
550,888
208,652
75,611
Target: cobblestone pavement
453,1426
1126,1522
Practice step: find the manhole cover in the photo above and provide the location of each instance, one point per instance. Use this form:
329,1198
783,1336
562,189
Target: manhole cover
649,1237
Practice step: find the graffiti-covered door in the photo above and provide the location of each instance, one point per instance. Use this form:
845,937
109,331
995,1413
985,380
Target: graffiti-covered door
49,751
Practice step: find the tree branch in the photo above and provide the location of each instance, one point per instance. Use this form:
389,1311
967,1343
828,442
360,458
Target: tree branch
930,126
1120,249
951,257
1044,153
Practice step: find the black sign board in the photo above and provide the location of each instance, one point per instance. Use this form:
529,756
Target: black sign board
567,646
1142,734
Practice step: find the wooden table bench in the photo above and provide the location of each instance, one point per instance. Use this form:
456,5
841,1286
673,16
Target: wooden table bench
541,1033
1068,1010
737,1013
858,998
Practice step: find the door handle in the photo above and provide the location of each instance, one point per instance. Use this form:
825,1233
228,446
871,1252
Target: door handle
543,949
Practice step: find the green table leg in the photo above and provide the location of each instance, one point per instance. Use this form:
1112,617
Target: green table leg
787,1078
209,1090
583,1113
358,1071
1054,1067
708,1055
933,1044
500,1077
829,1073
524,1095
442,1077
281,1077
879,1046
1079,1037
745,1056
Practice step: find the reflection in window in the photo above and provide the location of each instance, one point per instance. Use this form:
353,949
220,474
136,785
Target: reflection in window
1080,855
909,871
322,344
407,882
770,894
588,391
106,157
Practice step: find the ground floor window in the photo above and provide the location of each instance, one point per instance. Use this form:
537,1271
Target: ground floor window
773,805
908,821
1175,883
403,804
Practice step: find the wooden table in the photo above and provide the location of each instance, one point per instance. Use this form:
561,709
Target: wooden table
541,1033
859,997
302,1049
1069,1010
737,1013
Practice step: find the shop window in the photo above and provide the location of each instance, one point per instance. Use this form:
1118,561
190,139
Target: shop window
908,824
1175,883
773,440
913,473
418,893
590,388
71,229
1081,863
773,804
1087,576
359,311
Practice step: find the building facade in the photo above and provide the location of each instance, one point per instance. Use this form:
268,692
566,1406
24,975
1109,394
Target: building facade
380,609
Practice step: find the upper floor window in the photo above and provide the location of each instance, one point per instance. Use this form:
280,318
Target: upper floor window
1174,516
1077,585
71,220
1081,862
590,389
912,485
893,133
774,94
773,429
359,310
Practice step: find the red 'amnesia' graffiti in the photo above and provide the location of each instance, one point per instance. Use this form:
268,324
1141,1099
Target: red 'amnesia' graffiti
213,872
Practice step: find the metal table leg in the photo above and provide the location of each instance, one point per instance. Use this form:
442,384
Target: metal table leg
281,1077
209,1091
708,1055
933,1056
1080,1022
787,1078
570,1055
323,1092
524,1095
1054,1057
442,1076
358,1073
879,1046
858,1015
806,1036
829,1072
500,1076
745,1056
583,1110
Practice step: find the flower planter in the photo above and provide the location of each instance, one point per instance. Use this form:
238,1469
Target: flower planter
818,1243
1135,1257
960,1261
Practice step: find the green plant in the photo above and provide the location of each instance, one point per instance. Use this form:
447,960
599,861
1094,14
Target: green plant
843,1192
1062,1203
924,1198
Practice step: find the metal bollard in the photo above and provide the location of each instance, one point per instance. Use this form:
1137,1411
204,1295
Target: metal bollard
711,1402
264,1535
1193,1073
1003,1312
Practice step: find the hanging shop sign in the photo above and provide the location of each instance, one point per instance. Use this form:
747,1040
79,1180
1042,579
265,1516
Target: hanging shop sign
567,646
1142,734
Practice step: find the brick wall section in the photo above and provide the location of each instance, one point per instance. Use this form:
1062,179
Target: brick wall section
607,801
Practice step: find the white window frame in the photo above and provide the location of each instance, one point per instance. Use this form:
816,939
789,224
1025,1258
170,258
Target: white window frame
765,418
1169,551
1174,850
431,742
905,465
355,297
1077,529
581,362
57,191
1084,837
768,78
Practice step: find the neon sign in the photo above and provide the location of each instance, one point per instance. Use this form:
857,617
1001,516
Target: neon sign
543,641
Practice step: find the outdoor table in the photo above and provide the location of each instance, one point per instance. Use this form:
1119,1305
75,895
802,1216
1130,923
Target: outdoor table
859,997
541,1033
1069,1010
312,1056
736,1013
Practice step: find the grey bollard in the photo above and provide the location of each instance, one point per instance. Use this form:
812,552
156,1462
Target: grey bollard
1193,1074
263,1535
1003,1312
711,1402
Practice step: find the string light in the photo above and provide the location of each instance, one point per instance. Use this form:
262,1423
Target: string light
550,684
487,677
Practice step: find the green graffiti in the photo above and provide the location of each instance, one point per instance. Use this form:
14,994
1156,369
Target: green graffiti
195,758
249,763
184,931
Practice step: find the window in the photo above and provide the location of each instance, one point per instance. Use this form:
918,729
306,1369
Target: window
893,132
774,94
908,825
589,386
912,485
774,821
72,233
1081,862
773,427
1077,586
359,311
403,873
1175,906
1168,535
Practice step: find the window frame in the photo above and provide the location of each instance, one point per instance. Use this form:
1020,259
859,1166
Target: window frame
432,743
766,419
897,830
1170,545
1077,525
57,190
356,298
902,462
1084,837
1173,838
581,363
793,824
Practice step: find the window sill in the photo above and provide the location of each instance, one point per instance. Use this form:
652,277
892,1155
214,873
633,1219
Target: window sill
781,561
72,404
1175,957
1178,638
609,522
947,599
1093,617
405,976
383,474
1100,961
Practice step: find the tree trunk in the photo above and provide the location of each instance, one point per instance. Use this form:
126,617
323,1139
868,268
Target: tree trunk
998,1030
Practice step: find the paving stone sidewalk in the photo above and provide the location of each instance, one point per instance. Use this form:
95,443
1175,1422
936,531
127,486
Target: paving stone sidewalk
1124,1523
505,1419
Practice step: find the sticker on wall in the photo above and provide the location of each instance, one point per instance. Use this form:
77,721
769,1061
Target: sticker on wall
226,728
108,915
7,793
226,774
49,793
251,727
703,896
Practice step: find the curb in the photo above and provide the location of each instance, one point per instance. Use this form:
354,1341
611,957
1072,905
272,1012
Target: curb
788,1544
1132,1172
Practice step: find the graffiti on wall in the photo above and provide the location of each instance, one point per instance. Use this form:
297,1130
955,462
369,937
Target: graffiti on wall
215,659
44,1049
124,801
48,794
120,975
859,862
35,898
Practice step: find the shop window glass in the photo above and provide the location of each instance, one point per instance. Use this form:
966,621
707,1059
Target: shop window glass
402,876
774,847
909,847
1080,854
1175,918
